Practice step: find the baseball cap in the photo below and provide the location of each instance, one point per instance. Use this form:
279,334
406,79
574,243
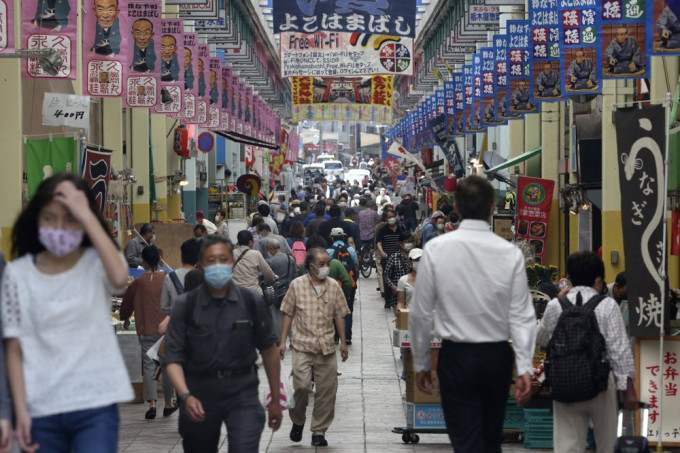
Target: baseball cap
337,232
200,214
296,211
415,254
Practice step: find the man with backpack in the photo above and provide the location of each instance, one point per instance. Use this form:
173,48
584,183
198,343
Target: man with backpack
348,257
585,338
173,284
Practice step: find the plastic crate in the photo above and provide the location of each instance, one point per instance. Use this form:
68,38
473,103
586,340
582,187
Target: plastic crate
538,444
514,418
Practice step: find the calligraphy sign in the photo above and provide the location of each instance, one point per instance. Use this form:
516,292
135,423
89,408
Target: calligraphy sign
380,17
640,134
66,110
581,34
545,61
97,172
519,75
49,25
449,147
489,102
459,103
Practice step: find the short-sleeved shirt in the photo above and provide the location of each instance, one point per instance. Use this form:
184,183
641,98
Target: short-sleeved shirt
389,239
313,314
207,334
403,286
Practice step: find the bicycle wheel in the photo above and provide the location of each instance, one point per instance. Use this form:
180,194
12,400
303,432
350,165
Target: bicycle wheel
365,263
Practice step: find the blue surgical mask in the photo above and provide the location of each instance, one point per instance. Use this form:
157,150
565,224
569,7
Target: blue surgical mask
218,275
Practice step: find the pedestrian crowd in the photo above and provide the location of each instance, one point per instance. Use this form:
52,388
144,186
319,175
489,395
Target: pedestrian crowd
288,283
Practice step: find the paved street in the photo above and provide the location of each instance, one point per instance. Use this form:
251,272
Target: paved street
369,400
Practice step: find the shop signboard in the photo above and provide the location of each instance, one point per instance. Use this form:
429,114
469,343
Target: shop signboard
624,53
382,17
476,124
171,66
329,54
489,100
214,90
342,98
227,97
534,202
519,76
105,48
201,82
546,64
581,36
458,103
640,134
6,26
450,112
49,24
500,45
142,75
468,91
484,14
60,109
662,36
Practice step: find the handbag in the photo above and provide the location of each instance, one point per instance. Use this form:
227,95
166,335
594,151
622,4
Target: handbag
268,291
281,287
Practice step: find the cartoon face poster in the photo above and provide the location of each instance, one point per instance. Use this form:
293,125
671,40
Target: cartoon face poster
143,65
49,24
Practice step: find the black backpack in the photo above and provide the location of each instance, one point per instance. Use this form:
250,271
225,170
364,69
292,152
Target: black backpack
342,254
576,365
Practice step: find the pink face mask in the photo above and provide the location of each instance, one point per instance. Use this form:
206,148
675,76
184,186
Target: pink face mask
60,242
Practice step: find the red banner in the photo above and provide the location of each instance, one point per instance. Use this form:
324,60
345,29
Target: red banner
534,203
250,156
675,232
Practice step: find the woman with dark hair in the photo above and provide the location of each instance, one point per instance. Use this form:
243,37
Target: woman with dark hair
65,368
143,298
296,233
221,223
257,220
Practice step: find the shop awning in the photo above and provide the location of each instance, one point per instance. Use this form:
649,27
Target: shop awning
514,161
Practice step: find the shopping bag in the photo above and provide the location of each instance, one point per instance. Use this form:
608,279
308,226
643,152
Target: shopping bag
153,351
286,393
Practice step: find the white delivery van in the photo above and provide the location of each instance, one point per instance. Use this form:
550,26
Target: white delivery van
356,174
333,168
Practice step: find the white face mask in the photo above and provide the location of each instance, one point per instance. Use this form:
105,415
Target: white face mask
153,239
408,246
323,273
217,219
392,221
441,226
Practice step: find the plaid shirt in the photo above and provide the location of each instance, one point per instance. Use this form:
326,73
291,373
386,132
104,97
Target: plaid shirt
368,219
611,326
397,266
313,314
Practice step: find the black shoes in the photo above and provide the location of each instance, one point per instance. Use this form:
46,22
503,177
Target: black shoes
348,342
319,441
296,433
168,411
150,414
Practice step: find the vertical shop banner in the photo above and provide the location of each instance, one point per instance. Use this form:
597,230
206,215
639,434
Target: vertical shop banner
6,26
519,75
143,65
489,100
189,70
546,63
534,204
214,89
172,61
449,109
105,42
248,111
581,32
675,232
240,107
234,102
45,158
382,17
225,101
458,104
448,146
641,138
624,54
96,172
201,82
49,24
468,91
663,27
500,45
477,125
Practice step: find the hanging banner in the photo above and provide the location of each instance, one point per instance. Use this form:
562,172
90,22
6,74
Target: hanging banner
663,27
189,70
476,113
357,98
641,138
623,40
329,53
458,104
96,172
489,101
172,74
226,97
49,24
143,68
468,92
675,232
534,203
202,94
214,120
6,26
45,158
449,110
581,33
397,18
519,76
247,111
502,91
449,147
249,155
545,51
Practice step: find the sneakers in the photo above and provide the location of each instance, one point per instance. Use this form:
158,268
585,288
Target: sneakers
168,411
319,441
348,342
150,414
296,432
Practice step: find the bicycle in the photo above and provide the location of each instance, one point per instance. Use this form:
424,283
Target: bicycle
366,260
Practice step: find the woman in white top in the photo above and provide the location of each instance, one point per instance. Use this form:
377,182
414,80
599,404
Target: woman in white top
65,368
407,283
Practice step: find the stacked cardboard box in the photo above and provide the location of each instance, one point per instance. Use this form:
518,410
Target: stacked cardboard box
413,393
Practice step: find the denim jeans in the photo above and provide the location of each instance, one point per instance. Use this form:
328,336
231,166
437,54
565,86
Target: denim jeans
86,431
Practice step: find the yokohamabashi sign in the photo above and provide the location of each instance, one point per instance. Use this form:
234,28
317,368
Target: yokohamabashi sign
640,134
534,202
329,53
381,17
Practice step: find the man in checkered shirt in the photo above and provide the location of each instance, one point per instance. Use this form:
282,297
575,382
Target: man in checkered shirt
570,426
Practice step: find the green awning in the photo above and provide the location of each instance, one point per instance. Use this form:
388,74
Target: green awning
515,160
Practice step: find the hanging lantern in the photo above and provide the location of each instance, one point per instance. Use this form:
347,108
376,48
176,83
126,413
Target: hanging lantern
181,142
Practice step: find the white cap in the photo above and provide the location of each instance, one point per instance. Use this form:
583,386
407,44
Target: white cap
415,254
262,202
296,211
337,232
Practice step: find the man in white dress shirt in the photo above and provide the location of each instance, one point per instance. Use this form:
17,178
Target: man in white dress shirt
476,283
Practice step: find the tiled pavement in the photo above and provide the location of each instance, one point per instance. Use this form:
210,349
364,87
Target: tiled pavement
369,402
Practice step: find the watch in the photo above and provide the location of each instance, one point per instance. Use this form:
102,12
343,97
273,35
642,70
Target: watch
183,398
